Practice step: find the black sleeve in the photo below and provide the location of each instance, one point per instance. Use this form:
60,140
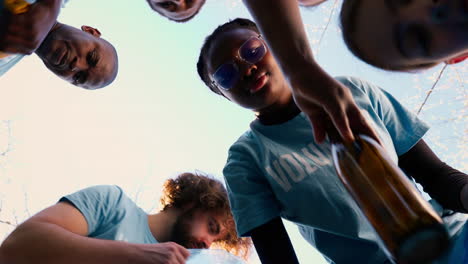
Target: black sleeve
272,243
439,180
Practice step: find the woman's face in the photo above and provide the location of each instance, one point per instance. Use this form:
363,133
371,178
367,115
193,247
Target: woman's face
405,33
257,85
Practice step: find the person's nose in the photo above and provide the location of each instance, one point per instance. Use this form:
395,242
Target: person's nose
77,64
208,242
248,69
251,69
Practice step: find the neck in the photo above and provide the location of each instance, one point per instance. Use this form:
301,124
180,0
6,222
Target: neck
162,223
42,50
279,112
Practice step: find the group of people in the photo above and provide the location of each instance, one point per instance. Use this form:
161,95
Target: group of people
282,166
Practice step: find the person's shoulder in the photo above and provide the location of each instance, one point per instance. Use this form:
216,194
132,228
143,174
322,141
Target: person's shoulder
246,140
105,188
101,191
246,148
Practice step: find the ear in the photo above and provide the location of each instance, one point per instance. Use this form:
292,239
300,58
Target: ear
457,59
93,31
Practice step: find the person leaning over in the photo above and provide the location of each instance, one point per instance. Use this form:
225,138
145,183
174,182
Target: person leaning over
101,224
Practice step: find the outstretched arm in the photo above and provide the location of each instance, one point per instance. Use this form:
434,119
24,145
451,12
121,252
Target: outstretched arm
318,95
58,235
272,243
442,182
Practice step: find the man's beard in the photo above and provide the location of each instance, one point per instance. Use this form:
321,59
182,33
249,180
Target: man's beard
181,232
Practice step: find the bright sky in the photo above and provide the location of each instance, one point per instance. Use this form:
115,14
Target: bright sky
158,119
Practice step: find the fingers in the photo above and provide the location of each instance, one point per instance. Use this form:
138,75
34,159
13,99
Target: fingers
341,123
347,120
361,125
185,252
318,125
179,252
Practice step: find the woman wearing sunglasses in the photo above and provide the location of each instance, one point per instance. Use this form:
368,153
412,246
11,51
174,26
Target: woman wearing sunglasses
276,170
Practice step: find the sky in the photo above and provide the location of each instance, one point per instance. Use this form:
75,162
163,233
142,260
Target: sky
158,119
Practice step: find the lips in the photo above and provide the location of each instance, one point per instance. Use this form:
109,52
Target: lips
259,83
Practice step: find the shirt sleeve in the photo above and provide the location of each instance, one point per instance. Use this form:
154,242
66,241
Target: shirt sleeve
253,202
404,127
98,204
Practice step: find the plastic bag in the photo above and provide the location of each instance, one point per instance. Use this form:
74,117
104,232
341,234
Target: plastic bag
212,256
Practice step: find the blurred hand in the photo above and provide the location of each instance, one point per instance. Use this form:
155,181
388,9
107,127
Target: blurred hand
324,100
164,253
24,33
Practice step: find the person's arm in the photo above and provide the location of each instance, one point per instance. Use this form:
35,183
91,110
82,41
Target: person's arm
316,93
24,33
58,235
272,243
442,182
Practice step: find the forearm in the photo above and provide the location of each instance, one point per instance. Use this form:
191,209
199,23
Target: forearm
442,182
272,243
50,244
281,25
448,186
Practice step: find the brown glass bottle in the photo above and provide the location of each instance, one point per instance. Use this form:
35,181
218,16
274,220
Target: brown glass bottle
409,229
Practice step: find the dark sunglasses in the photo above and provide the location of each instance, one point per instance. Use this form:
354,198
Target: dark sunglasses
251,51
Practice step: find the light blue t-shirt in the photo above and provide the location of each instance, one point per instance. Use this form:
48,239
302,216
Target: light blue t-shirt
279,171
111,215
8,62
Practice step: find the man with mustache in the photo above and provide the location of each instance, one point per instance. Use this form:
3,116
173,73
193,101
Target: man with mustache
80,57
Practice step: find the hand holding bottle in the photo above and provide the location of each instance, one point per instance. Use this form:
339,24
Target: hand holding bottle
409,229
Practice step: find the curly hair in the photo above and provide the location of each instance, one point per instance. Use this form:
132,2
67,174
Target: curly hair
198,191
348,17
202,59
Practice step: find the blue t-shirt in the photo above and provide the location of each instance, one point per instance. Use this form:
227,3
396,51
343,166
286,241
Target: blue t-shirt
279,171
7,63
111,214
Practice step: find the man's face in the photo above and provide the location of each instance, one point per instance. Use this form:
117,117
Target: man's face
410,33
80,57
179,10
198,229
